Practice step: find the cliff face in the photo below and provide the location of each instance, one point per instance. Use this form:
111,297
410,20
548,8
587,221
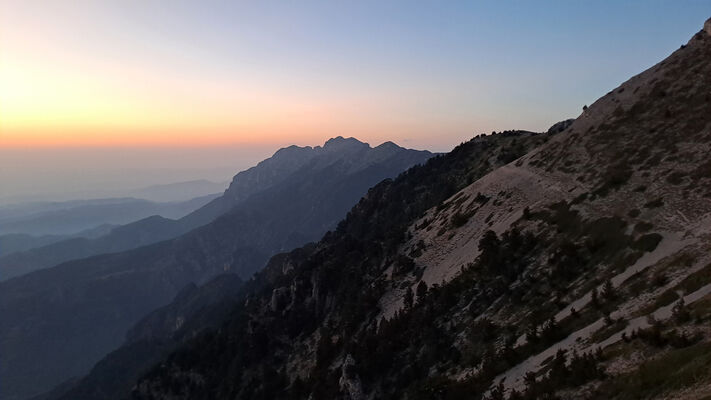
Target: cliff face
497,271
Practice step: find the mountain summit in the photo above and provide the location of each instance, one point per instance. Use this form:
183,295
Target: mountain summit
339,143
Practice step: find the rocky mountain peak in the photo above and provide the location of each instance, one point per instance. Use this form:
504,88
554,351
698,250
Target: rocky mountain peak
339,143
387,145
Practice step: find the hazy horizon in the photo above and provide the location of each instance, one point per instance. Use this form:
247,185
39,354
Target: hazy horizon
70,173
58,174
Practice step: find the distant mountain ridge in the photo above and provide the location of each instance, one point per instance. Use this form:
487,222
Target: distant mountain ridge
66,218
16,242
88,304
145,231
173,192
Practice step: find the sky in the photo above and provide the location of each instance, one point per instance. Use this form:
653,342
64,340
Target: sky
97,94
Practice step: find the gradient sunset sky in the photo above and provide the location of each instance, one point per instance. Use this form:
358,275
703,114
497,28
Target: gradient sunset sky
200,86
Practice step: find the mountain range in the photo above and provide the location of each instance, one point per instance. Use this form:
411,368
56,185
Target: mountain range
57,322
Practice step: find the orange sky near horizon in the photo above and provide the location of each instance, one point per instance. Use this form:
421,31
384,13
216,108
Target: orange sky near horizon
44,103
46,100
82,76
207,74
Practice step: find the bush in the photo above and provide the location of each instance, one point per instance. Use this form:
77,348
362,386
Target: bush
615,177
676,178
647,242
459,219
643,227
654,203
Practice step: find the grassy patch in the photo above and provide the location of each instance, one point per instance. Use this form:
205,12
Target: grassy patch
702,308
690,284
664,299
696,280
677,369
608,330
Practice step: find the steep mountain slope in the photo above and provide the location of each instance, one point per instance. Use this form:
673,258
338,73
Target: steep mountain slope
56,323
264,175
193,310
554,276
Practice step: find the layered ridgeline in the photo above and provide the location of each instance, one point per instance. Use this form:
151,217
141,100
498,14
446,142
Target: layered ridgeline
292,165
57,322
71,217
151,229
580,270
17,242
77,229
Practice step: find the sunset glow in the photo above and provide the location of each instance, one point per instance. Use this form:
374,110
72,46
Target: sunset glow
211,82
141,74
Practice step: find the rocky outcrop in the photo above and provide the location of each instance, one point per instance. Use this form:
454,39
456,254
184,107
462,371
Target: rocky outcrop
349,381
561,126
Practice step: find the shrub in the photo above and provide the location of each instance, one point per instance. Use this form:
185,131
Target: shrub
459,219
647,242
654,203
676,178
615,177
643,226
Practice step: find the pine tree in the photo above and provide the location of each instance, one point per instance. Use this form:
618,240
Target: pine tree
680,312
608,319
421,291
594,298
549,331
532,333
608,291
409,298
498,392
490,246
